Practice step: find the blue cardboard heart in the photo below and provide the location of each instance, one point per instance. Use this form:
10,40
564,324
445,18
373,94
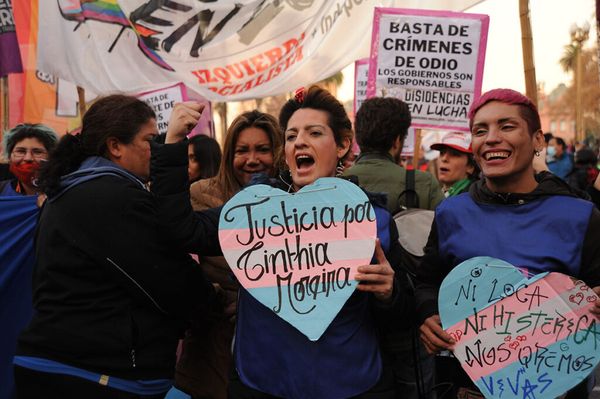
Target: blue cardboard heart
297,253
518,337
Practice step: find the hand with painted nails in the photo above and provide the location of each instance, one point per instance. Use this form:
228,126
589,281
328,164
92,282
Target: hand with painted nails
184,118
377,278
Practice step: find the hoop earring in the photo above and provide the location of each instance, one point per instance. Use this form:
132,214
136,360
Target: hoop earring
339,169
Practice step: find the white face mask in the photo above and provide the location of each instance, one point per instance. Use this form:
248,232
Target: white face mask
550,153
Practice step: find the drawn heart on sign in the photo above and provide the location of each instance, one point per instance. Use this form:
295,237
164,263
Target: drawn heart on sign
576,298
297,253
558,337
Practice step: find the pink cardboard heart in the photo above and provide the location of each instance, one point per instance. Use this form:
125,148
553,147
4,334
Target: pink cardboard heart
298,253
519,337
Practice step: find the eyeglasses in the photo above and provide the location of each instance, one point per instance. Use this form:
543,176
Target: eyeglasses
36,153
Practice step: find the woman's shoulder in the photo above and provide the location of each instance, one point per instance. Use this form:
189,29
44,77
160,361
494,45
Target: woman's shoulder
206,194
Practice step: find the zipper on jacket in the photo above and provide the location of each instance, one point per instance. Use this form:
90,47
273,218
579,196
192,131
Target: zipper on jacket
132,354
134,336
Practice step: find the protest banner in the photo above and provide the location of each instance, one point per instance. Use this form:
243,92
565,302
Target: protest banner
35,96
408,148
361,75
432,60
10,57
163,100
297,253
519,337
223,50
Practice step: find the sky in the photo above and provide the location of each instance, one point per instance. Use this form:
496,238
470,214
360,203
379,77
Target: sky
550,22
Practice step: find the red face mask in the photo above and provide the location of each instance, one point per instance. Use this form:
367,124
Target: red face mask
25,172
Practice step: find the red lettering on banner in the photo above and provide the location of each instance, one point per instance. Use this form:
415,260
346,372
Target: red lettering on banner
261,79
273,55
258,63
274,60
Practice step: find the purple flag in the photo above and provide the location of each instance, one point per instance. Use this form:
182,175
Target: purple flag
10,57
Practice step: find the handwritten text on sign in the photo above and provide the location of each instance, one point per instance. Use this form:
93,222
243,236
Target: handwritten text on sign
432,60
519,338
297,253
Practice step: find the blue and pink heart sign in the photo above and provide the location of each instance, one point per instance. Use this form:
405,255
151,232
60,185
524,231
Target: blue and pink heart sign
518,337
297,253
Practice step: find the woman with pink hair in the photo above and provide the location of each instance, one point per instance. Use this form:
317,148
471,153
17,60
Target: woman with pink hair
516,205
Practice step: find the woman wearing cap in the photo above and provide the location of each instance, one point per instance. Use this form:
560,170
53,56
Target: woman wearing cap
512,214
272,358
456,169
27,146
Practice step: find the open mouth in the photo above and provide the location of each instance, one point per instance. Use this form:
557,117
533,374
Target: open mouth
444,170
496,155
304,161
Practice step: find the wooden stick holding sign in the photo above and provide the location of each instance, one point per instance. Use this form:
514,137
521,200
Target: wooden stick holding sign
417,151
4,91
81,96
527,42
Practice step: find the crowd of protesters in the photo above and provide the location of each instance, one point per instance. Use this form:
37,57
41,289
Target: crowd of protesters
128,260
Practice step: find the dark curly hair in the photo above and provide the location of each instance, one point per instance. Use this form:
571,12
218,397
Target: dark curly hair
320,99
379,121
119,116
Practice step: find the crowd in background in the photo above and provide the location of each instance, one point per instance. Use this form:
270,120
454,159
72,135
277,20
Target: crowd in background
129,267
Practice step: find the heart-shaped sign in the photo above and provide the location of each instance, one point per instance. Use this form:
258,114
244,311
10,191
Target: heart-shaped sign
297,254
519,337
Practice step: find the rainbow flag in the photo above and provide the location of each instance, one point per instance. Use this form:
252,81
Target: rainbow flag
109,11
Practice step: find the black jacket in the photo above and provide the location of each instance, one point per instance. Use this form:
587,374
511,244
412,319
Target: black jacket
110,296
432,270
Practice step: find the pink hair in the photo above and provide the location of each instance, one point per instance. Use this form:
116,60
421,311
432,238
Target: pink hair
527,108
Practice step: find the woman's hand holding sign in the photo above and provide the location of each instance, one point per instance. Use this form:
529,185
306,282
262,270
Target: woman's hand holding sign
184,118
377,278
434,337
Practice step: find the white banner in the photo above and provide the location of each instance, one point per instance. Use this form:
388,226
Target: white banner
224,50
432,60
361,76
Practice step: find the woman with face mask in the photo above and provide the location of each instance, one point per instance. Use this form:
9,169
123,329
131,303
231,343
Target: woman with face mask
559,161
27,147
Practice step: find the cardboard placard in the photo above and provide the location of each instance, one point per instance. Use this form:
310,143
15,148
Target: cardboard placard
297,253
519,337
432,60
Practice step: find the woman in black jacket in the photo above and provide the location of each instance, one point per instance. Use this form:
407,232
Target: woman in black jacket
110,298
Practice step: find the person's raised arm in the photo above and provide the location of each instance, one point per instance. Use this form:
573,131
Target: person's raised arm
182,227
